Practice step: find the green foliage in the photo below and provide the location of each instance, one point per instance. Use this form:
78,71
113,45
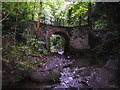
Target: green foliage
79,9
19,55
52,10
59,10
56,43
35,46
100,16
17,19
100,24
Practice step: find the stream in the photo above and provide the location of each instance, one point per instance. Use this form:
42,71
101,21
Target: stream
73,71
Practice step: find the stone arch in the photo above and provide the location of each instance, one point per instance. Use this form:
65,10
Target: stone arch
62,33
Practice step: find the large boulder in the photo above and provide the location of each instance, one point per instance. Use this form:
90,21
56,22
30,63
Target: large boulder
51,70
44,76
112,64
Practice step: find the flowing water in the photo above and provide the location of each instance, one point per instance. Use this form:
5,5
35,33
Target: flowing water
85,71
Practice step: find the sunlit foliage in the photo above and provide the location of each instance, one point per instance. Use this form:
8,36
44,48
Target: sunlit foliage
57,43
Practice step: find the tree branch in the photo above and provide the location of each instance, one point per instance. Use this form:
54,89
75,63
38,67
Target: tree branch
9,12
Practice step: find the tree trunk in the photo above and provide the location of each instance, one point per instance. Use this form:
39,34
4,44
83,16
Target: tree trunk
14,38
89,17
33,11
38,23
109,24
80,20
90,34
38,28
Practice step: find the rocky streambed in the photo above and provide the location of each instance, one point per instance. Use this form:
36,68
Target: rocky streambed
87,77
51,70
67,72
106,76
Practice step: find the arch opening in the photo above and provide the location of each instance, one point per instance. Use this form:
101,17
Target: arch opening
59,43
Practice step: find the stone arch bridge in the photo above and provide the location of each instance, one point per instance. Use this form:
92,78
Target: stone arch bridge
76,37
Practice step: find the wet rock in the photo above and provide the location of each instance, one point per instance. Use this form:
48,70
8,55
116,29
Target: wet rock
71,78
87,77
102,78
44,76
112,64
51,70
